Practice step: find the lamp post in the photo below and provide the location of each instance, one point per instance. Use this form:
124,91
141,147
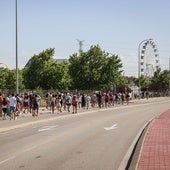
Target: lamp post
139,57
16,10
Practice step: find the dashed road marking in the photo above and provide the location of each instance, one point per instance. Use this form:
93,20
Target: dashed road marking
45,128
111,127
7,160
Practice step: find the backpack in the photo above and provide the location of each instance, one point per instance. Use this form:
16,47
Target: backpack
52,102
68,100
18,99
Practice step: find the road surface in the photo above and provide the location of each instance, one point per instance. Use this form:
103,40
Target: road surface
93,140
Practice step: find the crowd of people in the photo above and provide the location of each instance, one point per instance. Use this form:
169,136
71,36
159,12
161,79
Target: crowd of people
14,105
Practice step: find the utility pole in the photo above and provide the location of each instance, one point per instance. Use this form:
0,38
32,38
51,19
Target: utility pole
16,10
80,45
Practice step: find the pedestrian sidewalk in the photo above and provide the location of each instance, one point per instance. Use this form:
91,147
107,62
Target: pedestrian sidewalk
155,151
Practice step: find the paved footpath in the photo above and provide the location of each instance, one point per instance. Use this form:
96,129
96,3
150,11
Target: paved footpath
155,152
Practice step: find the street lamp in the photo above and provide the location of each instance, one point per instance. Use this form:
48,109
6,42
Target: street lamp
139,57
16,10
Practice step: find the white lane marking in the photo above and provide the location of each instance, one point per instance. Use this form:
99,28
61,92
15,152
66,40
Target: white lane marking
46,128
8,159
112,127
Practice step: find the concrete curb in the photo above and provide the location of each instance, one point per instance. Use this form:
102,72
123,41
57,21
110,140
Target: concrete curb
125,160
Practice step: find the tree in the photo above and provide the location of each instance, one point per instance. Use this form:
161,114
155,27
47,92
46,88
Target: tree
33,74
160,80
144,81
8,79
94,69
65,82
55,76
45,73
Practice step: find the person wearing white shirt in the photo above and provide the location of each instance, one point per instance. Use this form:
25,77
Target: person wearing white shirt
12,104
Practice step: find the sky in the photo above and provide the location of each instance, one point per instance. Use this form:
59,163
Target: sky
117,26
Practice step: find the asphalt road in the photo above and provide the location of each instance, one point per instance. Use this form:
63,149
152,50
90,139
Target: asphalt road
97,140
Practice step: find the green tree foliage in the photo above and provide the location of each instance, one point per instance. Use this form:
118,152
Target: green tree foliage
160,80
55,76
3,78
20,81
11,80
123,84
65,81
144,82
8,79
45,73
94,69
33,74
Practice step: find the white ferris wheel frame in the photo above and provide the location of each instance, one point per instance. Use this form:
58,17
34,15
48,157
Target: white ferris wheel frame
143,65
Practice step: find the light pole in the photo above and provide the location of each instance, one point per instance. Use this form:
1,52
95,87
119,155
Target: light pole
16,10
139,57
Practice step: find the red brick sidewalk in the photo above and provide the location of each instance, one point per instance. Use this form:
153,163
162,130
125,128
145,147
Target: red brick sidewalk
155,153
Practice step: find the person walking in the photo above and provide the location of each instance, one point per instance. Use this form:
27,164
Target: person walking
75,104
83,101
19,103
68,101
4,108
12,104
58,103
99,99
93,100
88,101
35,106
122,98
1,99
53,103
26,103
106,100
127,96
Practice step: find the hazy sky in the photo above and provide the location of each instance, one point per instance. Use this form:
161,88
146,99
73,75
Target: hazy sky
118,26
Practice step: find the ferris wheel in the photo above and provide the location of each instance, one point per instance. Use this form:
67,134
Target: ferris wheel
149,59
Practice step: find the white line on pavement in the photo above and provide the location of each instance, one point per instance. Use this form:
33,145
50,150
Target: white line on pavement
7,160
46,128
112,127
